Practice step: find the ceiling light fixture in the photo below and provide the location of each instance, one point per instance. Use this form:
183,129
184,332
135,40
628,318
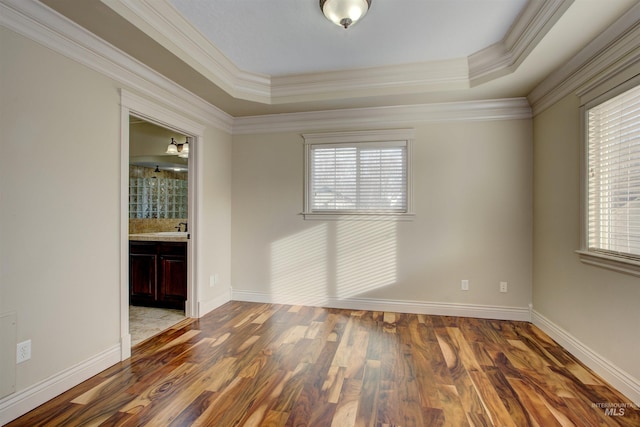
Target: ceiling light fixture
344,12
180,150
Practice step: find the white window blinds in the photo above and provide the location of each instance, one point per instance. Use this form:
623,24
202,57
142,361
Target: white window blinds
358,177
614,175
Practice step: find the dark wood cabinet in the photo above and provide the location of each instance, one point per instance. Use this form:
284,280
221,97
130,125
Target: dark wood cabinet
158,274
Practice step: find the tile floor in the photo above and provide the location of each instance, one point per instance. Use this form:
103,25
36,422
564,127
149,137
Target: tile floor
145,322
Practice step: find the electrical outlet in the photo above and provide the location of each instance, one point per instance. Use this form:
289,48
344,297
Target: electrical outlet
503,286
23,352
464,285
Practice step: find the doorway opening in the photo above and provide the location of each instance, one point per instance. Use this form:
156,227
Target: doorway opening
168,258
158,228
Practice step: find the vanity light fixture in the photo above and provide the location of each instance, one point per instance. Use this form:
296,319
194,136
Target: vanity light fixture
172,148
344,12
180,150
184,153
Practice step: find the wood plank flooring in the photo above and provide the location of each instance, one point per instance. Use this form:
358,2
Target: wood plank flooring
251,364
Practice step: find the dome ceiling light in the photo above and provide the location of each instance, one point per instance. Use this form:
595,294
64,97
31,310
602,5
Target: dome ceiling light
344,12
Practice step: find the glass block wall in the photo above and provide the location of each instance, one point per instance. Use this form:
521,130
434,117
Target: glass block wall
157,198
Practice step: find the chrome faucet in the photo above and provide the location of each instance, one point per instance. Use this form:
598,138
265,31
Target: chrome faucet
179,227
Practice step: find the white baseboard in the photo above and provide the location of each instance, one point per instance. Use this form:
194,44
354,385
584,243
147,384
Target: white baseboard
17,404
625,383
399,306
205,307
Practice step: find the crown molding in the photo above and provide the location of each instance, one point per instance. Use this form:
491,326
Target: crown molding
452,74
496,109
505,56
161,21
46,27
151,111
616,50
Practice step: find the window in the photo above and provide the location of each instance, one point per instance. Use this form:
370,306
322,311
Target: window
358,173
613,177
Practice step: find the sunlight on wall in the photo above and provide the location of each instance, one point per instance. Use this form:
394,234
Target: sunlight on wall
366,256
299,263
337,259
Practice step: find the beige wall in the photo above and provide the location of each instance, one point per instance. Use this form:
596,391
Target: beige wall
596,306
473,183
472,191
214,216
60,208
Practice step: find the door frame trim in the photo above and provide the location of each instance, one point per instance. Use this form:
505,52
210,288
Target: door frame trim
158,114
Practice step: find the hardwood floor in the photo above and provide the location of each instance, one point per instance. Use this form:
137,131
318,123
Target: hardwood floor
275,365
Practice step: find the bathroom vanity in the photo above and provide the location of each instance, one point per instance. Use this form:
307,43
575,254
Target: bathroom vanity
158,269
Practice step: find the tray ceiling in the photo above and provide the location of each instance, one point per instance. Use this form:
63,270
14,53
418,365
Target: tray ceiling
283,37
253,57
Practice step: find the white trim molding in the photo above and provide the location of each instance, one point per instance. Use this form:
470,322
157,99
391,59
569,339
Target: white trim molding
41,24
434,76
487,110
615,51
398,306
619,264
158,113
505,56
621,380
46,27
162,22
30,398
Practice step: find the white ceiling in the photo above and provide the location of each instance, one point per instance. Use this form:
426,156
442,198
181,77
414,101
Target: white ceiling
283,37
256,57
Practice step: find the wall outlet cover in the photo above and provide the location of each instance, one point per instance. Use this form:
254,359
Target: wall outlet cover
23,351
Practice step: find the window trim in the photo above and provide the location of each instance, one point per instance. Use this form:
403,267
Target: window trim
353,138
609,260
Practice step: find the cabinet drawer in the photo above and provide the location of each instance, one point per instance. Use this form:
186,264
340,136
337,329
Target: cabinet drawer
143,248
172,248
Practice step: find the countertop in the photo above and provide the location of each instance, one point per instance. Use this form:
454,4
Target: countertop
164,236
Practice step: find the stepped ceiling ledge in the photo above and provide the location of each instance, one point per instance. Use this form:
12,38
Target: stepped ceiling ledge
251,58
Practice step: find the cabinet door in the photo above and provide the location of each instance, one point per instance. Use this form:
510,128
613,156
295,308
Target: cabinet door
142,278
172,274
172,289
